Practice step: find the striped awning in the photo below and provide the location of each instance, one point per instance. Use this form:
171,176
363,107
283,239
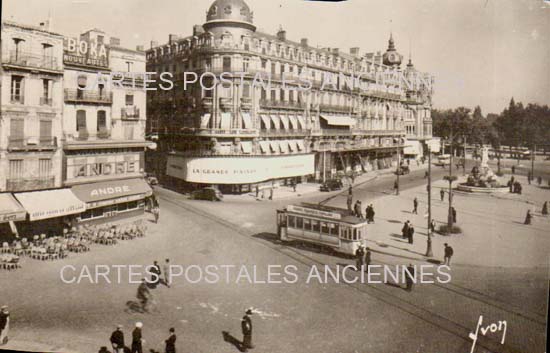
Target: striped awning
284,119
274,146
266,120
276,121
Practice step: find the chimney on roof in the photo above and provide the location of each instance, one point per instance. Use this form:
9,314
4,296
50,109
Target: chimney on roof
354,51
303,42
154,44
172,38
114,41
281,34
198,30
139,48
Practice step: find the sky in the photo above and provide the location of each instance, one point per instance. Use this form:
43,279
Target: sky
481,52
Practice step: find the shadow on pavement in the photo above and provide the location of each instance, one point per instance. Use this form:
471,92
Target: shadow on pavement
393,221
227,337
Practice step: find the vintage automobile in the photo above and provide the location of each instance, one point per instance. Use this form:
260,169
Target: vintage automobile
207,193
332,185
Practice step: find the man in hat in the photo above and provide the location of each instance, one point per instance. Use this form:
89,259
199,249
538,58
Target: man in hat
4,324
367,259
409,277
246,325
448,254
166,272
359,257
442,194
405,229
170,342
137,339
143,294
117,340
410,233
415,206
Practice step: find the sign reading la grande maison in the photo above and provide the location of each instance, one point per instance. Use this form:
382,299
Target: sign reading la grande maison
84,53
238,170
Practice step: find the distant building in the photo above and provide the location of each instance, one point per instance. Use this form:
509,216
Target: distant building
249,136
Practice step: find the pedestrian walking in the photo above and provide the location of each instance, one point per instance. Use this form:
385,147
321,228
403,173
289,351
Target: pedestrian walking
519,187
411,234
349,202
350,190
359,257
410,277
357,209
271,193
166,272
529,177
415,206
156,213
432,226
395,185
539,180
294,185
513,170
426,174
442,194
4,324
155,274
117,340
545,208
368,256
257,190
453,213
137,339
246,326
448,250
528,218
143,294
405,230
170,342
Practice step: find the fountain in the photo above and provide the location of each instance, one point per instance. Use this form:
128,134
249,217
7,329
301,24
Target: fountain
482,179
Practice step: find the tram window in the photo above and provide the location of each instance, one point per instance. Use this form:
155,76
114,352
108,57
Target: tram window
354,234
325,228
307,224
336,229
291,221
315,226
299,222
359,234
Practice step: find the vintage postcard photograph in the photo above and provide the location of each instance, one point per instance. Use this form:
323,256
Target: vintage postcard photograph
274,176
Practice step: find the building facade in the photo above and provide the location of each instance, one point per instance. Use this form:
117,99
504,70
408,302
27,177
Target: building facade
72,139
240,133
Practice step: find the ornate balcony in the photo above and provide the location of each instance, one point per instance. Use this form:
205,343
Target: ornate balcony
88,96
31,60
31,143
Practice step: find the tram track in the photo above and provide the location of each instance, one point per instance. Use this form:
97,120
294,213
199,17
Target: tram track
439,321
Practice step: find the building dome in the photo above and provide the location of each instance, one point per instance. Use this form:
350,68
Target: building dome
229,11
391,57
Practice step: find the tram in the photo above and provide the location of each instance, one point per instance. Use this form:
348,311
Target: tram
323,225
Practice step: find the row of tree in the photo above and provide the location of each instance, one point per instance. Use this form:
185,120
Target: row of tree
516,126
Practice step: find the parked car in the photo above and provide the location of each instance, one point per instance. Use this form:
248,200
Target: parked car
331,185
404,169
208,193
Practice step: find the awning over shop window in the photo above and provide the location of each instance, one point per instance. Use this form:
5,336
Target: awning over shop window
247,120
117,191
225,121
267,121
274,146
205,119
302,122
292,145
10,209
246,146
300,144
412,147
293,122
50,203
276,121
338,120
284,119
264,145
283,145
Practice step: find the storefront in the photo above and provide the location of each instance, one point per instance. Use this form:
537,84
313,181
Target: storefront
112,200
48,211
10,212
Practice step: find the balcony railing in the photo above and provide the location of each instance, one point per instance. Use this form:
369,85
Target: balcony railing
32,60
88,96
31,143
45,101
336,108
274,132
268,103
27,184
129,113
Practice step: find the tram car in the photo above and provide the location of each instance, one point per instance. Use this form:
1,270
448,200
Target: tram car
327,226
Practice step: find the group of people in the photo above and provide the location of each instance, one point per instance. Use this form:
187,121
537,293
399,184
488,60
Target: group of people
407,232
362,258
158,276
369,211
119,345
514,185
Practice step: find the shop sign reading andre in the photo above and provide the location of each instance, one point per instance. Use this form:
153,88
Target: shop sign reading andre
79,52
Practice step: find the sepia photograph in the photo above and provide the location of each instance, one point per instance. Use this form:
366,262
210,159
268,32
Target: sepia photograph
278,176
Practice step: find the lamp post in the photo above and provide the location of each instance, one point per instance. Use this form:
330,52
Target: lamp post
533,161
429,252
397,170
450,178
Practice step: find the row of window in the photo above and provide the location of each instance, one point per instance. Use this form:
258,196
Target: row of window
18,168
324,228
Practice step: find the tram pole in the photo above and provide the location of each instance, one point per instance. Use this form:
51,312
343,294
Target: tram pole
397,170
429,252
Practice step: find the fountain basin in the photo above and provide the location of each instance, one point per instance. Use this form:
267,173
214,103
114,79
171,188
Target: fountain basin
482,190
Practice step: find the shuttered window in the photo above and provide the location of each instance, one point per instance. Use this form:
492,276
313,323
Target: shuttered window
44,167
16,168
45,129
101,120
80,120
17,128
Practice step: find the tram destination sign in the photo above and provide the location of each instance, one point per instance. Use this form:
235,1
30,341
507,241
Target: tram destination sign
313,212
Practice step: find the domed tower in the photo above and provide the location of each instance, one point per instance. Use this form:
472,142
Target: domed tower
391,57
233,16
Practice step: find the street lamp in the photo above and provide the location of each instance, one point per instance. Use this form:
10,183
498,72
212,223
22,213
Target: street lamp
397,171
450,178
429,252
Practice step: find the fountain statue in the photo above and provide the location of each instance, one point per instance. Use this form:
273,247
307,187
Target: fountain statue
482,178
